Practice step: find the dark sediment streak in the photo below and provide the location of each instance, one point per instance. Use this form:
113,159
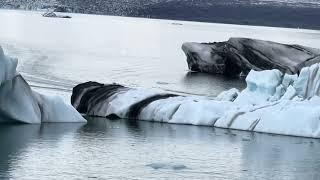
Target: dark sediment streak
136,108
89,96
103,93
79,91
91,93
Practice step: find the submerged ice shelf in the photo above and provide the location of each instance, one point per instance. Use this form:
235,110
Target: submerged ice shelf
19,103
273,102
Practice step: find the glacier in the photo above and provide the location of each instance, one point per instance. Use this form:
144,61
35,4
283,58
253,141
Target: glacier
272,102
19,103
240,55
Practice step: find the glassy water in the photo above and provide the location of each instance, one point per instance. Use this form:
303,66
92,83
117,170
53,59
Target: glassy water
122,149
59,53
56,54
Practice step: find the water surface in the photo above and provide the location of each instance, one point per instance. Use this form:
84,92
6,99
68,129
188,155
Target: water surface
136,52
56,54
122,149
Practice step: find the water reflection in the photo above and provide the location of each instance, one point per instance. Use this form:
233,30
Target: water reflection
280,157
212,84
113,149
16,138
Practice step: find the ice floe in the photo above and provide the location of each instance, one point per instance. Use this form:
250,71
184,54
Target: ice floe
273,102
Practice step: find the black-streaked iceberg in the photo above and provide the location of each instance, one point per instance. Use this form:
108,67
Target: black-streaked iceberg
273,102
19,103
240,55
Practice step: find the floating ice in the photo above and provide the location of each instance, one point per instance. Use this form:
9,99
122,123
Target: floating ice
18,103
273,102
242,55
54,15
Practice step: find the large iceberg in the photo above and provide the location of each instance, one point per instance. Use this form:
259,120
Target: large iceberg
240,55
273,102
19,103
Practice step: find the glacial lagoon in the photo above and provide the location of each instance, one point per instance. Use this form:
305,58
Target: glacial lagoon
56,54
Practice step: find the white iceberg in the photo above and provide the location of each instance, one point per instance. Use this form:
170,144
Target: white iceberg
19,103
273,102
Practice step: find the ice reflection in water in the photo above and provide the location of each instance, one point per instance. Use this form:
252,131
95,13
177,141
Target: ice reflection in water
109,149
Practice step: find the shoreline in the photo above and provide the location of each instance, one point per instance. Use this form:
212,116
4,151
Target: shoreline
174,22
296,16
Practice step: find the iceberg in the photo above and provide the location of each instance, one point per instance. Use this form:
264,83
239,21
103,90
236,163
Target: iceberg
272,102
54,15
19,103
240,55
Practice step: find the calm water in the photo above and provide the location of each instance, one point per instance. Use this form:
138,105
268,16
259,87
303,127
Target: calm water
60,53
56,54
120,149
